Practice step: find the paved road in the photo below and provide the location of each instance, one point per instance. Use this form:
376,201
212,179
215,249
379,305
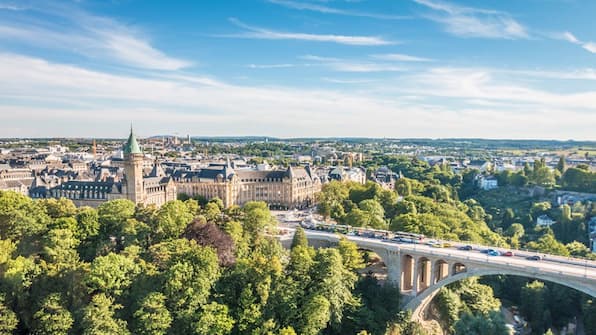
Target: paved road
553,264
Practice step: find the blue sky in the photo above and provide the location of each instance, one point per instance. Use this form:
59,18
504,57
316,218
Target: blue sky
299,68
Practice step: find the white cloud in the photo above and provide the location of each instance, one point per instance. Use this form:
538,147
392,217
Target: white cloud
470,83
401,58
330,10
68,100
345,65
91,36
569,37
474,22
590,46
261,33
271,66
347,81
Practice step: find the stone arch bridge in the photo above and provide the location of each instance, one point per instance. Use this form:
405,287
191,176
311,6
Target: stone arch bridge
420,270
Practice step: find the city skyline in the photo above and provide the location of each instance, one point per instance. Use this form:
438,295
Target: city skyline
288,69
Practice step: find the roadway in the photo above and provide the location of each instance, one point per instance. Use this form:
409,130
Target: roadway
578,268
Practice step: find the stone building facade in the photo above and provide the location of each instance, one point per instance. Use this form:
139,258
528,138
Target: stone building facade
294,187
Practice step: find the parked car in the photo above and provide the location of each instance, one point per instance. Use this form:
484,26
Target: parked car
534,258
465,247
508,253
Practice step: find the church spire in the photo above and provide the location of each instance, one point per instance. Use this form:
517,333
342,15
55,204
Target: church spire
132,146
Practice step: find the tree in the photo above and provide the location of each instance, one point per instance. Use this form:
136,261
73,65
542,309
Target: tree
52,318
87,223
299,238
152,317
21,217
257,218
210,235
98,317
533,306
59,208
351,257
172,218
334,282
562,164
492,324
214,319
60,246
8,319
577,179
548,244
403,186
212,211
508,218
112,274
316,315
190,273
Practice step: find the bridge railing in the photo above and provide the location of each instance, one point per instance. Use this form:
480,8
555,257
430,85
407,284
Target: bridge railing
577,260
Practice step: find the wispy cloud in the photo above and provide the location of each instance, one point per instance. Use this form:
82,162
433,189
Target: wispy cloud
59,95
474,22
261,33
91,36
331,10
9,6
401,58
569,37
486,84
271,66
347,81
346,65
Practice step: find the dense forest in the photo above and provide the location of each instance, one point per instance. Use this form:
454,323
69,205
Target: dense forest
179,269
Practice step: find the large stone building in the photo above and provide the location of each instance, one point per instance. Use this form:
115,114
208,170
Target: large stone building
294,187
155,188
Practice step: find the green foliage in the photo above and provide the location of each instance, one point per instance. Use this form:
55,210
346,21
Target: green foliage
112,274
299,238
8,319
533,297
214,319
113,215
52,318
59,208
20,217
152,317
492,324
548,244
351,257
172,218
581,180
98,317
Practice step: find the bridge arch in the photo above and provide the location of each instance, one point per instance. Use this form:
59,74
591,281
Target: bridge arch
419,303
440,271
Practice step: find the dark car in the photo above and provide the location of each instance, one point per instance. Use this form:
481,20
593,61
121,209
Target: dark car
465,247
533,258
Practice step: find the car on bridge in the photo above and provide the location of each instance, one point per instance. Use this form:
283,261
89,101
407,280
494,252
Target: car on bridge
465,247
534,258
493,252
508,254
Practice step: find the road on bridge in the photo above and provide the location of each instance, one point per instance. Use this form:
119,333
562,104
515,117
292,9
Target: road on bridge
578,268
